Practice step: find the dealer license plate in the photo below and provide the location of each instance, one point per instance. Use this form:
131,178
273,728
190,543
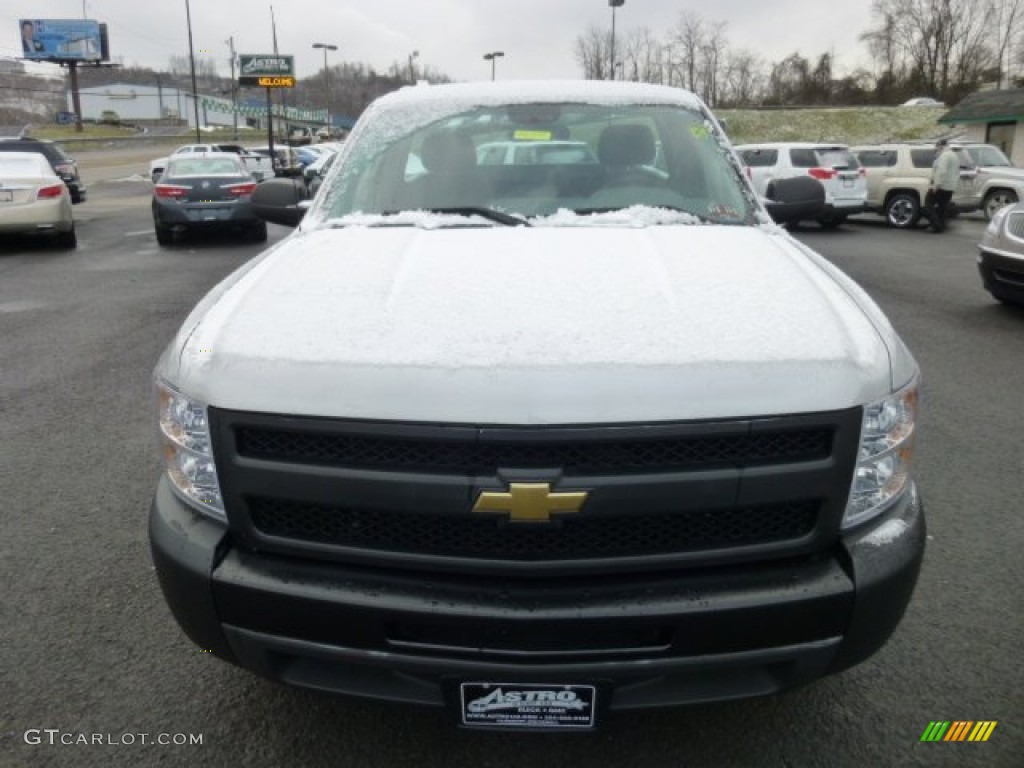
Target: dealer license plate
6,196
528,706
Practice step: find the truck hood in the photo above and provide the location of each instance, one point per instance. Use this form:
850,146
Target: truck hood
1002,172
539,325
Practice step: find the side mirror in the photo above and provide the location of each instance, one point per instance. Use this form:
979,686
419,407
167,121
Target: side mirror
790,200
279,201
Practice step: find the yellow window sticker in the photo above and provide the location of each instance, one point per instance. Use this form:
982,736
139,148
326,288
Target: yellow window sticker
532,135
699,131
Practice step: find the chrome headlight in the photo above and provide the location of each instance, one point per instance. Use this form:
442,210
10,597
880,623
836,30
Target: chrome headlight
187,450
883,459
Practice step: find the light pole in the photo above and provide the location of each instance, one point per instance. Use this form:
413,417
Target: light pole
327,82
614,4
492,57
192,65
412,70
234,88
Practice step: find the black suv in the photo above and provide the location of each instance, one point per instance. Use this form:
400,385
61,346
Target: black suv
63,164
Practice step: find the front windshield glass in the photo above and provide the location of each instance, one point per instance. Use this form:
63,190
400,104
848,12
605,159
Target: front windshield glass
529,162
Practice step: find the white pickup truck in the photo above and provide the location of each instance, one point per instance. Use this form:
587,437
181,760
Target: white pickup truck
260,167
536,442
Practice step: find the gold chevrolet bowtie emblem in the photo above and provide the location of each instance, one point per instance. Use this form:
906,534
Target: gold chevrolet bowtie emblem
529,502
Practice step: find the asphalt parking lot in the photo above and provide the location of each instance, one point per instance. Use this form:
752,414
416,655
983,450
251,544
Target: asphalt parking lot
88,646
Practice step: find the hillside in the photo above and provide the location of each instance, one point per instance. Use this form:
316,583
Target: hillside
845,125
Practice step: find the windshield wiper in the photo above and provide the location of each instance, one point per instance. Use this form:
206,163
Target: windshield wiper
487,213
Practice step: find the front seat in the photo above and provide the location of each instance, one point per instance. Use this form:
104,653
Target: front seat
452,179
623,151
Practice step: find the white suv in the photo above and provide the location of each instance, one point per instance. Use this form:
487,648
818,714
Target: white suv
832,164
999,182
899,176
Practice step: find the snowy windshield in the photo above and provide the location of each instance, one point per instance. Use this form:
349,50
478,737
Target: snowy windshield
527,162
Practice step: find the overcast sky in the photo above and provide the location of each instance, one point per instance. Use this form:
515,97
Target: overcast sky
536,36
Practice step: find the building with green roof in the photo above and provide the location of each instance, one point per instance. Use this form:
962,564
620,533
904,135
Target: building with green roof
992,117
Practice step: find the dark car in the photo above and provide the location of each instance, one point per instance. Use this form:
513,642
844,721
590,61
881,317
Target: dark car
62,163
202,193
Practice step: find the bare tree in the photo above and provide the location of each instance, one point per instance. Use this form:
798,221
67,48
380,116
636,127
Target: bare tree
941,46
744,79
640,57
1007,16
688,37
592,50
712,60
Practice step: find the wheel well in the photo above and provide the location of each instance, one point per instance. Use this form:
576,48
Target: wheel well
994,190
893,192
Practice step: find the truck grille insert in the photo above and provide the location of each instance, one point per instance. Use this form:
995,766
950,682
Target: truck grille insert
661,495
570,538
473,457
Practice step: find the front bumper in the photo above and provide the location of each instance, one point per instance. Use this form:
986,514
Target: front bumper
665,639
1002,275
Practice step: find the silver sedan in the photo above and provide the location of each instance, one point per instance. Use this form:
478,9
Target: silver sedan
1001,255
33,200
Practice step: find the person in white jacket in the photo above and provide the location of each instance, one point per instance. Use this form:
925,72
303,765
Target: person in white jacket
945,174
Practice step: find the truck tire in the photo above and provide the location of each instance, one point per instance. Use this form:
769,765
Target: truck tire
996,199
902,210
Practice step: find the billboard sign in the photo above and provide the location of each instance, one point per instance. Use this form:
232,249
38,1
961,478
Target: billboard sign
265,65
61,39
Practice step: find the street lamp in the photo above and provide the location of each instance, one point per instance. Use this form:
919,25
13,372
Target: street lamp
412,71
613,4
192,65
492,57
327,82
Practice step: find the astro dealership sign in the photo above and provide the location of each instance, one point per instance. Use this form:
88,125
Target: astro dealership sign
266,70
63,40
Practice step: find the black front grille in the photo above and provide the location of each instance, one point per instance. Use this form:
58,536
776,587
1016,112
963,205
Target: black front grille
660,495
476,457
484,537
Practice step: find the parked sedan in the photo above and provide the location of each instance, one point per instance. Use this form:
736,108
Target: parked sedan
1001,255
205,192
61,162
33,199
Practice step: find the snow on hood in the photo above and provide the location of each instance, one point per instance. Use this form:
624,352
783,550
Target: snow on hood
535,325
